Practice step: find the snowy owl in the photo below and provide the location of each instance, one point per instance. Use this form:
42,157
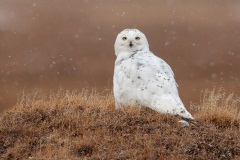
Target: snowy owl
143,79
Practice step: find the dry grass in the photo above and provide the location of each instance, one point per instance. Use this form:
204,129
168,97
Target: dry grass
218,108
83,125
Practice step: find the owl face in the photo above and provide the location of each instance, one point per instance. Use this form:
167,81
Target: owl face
130,40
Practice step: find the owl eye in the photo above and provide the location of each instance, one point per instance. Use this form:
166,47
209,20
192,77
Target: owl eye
137,38
124,38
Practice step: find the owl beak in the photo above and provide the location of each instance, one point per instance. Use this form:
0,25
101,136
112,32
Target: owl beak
130,44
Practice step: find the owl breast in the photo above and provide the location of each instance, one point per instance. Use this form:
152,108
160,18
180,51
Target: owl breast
131,79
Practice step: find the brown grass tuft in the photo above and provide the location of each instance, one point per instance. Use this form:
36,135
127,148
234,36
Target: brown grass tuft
83,125
220,109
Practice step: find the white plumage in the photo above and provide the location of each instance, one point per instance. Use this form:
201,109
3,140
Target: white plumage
143,79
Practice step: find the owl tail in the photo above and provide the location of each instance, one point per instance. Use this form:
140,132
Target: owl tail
168,104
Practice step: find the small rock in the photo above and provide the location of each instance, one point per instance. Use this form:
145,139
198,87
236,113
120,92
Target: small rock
184,123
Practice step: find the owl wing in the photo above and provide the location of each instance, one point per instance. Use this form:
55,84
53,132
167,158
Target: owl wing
153,69
161,87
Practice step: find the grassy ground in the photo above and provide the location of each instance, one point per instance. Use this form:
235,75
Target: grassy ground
83,125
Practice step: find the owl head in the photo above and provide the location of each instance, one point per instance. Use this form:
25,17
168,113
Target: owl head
130,40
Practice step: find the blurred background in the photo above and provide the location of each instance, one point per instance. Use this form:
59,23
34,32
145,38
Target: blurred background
47,44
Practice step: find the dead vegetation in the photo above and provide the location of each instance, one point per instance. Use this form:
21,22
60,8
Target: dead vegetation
83,125
220,109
